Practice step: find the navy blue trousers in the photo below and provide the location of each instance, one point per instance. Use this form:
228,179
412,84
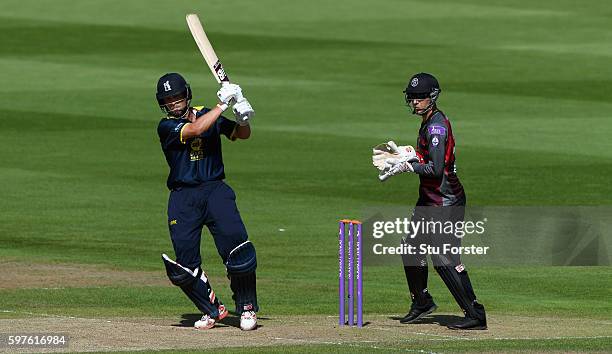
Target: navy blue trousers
212,204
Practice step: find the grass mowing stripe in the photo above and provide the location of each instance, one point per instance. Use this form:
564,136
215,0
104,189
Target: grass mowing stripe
540,291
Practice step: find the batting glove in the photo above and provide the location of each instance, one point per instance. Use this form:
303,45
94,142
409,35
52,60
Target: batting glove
243,112
228,93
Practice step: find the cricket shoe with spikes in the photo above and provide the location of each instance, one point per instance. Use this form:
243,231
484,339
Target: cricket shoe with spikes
248,320
469,324
416,313
206,322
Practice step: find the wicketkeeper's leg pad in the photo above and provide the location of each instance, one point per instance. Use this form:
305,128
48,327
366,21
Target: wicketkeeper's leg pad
458,282
241,264
417,284
194,284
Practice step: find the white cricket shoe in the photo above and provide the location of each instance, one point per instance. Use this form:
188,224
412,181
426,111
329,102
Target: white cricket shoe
248,321
206,322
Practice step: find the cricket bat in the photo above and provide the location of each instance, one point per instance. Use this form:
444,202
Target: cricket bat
195,26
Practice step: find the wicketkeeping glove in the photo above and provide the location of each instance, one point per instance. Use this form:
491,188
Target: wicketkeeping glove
406,152
386,155
401,167
391,159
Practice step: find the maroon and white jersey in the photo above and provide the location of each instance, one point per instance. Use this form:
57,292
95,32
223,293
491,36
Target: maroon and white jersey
440,185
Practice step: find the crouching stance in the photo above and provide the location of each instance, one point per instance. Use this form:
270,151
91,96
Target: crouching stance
190,138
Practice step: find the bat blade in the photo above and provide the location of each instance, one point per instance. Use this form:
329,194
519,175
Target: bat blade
197,31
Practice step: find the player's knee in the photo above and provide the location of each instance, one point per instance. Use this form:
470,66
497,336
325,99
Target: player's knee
444,260
242,259
179,275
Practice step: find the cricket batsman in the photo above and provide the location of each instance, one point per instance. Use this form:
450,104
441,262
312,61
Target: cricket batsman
441,198
190,138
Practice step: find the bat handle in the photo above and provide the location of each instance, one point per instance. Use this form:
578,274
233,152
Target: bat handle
384,176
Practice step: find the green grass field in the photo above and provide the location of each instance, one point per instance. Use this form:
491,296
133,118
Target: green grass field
82,177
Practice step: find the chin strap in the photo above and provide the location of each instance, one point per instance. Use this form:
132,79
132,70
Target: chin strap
165,110
170,116
425,110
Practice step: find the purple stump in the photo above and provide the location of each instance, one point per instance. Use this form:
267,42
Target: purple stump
359,278
341,271
351,274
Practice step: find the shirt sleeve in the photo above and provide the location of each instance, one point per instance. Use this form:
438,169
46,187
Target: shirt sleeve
436,138
226,127
170,132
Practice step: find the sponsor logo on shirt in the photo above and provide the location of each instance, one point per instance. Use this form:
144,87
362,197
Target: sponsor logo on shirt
437,130
197,149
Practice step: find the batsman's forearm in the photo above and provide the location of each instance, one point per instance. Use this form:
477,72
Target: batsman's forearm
202,124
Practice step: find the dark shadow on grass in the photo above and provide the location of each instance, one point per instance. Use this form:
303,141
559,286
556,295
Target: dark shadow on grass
365,324
442,320
189,319
232,321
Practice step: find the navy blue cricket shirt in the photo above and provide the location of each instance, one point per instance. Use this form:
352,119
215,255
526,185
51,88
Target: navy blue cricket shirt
197,159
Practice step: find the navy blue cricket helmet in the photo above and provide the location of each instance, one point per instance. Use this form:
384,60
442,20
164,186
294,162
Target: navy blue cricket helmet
172,85
422,86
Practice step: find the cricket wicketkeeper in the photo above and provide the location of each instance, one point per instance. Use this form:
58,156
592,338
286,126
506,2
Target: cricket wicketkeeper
441,198
190,138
